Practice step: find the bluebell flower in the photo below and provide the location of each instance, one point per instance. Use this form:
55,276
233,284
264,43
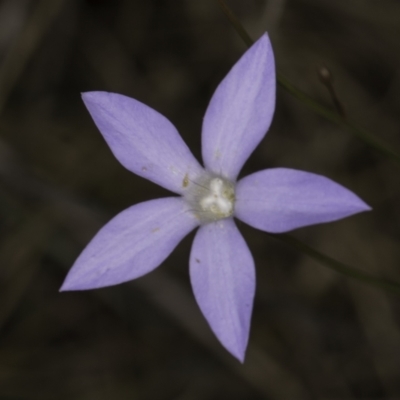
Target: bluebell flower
275,200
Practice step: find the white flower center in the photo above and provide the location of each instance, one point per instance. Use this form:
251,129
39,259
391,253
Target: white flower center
219,201
211,198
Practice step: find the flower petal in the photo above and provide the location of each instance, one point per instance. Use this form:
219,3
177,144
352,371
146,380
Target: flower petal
223,280
240,111
280,199
132,244
143,140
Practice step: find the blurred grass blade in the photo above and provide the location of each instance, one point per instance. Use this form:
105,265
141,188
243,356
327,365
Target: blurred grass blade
339,266
33,32
334,117
236,23
309,102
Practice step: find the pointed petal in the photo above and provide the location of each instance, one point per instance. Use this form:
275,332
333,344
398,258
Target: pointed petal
280,199
240,111
132,244
142,140
223,280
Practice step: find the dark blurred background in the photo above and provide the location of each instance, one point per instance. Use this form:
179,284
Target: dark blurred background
315,334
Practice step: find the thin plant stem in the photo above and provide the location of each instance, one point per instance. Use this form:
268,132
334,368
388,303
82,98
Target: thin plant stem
338,266
326,78
312,104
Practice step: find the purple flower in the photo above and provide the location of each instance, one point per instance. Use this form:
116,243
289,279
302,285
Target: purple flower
140,238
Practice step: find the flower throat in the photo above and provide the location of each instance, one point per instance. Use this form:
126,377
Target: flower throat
211,198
